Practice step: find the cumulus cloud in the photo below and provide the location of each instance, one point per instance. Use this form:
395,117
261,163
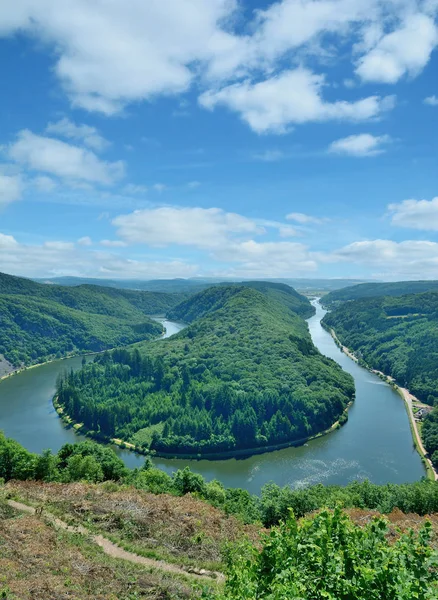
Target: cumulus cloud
83,133
293,97
63,258
415,214
198,227
363,144
409,259
107,56
63,160
405,51
431,100
262,259
10,188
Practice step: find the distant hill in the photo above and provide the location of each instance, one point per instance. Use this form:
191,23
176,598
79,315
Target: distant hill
197,284
204,302
38,321
371,290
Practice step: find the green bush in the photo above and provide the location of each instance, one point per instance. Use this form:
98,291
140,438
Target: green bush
327,557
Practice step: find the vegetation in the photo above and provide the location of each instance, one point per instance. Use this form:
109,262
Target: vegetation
39,322
94,463
201,304
371,290
328,556
244,374
398,336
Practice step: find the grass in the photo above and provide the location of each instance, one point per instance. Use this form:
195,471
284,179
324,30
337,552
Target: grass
144,436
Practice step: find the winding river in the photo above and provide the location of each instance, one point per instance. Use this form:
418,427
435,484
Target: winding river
375,444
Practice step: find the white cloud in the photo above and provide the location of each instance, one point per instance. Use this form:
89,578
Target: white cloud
109,55
431,100
62,258
199,227
293,97
273,259
304,219
409,259
7,241
85,241
405,51
44,183
363,144
416,214
10,188
64,160
113,243
84,133
59,245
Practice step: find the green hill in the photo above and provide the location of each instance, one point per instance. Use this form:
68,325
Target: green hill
371,290
244,374
39,322
398,336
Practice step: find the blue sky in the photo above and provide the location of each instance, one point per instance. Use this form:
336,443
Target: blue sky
182,138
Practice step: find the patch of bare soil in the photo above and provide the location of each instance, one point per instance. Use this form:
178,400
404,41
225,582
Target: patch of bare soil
183,530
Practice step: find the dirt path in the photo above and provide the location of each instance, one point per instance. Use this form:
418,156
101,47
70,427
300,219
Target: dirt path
112,549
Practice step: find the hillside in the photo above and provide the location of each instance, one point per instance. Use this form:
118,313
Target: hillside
244,374
371,290
80,525
198,305
39,322
398,336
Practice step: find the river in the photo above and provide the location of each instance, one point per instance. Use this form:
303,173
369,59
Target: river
375,444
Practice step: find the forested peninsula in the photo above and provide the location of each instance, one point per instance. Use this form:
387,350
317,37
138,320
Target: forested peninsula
39,322
243,375
398,336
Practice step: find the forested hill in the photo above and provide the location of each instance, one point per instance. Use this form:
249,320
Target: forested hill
398,336
244,374
213,298
39,322
371,290
92,298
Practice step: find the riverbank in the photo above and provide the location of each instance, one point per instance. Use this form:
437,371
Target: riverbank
408,400
229,454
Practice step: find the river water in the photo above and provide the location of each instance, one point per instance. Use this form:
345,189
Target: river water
375,444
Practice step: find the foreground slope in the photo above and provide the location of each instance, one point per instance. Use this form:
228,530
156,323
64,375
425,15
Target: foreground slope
38,322
244,375
371,290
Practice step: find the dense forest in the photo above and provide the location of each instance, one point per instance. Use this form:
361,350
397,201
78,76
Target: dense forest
38,322
371,290
244,374
398,336
199,305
